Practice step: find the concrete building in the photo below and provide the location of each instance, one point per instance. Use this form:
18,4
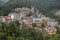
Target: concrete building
7,19
24,11
14,16
52,23
50,30
57,13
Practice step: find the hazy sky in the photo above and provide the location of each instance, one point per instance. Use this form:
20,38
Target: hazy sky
4,0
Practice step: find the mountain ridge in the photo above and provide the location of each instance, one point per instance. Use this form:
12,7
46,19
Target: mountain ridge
41,3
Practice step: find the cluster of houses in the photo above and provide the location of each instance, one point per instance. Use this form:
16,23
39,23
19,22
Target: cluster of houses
27,16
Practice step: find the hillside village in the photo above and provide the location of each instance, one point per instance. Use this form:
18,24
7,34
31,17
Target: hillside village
28,16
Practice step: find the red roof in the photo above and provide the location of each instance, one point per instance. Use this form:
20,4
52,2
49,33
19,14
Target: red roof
7,16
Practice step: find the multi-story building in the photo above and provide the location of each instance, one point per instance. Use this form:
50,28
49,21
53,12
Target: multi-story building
50,30
14,16
52,23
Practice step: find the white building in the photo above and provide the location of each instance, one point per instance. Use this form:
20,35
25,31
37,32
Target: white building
14,16
57,13
35,20
50,30
52,23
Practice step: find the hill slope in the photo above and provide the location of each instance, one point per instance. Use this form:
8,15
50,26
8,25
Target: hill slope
48,7
40,4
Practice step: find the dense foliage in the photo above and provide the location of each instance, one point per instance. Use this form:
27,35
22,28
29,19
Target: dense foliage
12,31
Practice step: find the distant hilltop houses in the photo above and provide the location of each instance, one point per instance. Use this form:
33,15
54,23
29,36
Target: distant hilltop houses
57,13
27,16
